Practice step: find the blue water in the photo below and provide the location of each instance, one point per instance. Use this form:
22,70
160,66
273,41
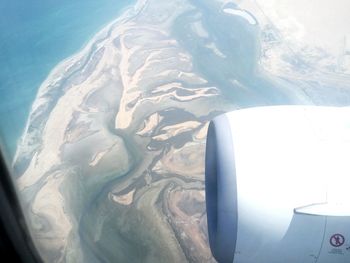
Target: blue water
34,37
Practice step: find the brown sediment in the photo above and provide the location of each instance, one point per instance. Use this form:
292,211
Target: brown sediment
201,134
173,130
187,208
187,161
125,199
150,124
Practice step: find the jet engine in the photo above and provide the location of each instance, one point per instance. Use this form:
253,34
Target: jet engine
278,185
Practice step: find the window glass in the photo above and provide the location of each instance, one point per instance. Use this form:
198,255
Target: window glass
104,109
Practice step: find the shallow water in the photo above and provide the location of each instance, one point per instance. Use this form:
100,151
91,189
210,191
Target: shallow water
34,37
181,61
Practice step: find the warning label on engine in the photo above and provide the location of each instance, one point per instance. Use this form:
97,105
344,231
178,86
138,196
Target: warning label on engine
337,240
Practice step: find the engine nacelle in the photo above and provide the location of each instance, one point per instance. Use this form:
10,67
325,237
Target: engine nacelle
278,185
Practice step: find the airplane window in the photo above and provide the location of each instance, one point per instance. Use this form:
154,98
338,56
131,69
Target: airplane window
105,106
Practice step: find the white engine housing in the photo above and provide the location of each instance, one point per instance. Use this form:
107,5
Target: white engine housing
278,185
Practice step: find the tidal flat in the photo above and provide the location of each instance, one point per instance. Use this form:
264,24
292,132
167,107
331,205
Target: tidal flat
111,165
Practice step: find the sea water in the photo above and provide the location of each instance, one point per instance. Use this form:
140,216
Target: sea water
34,37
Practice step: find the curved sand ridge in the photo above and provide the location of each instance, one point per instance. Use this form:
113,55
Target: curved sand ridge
72,138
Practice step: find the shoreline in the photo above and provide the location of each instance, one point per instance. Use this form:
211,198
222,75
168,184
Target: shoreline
63,67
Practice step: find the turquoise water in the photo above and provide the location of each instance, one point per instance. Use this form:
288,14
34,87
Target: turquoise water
34,37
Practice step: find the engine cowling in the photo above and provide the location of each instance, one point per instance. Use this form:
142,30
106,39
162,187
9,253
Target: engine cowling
277,185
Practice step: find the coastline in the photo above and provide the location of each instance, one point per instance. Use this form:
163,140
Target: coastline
115,142
35,38
60,70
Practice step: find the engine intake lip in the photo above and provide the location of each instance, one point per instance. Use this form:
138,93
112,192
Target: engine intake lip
221,190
